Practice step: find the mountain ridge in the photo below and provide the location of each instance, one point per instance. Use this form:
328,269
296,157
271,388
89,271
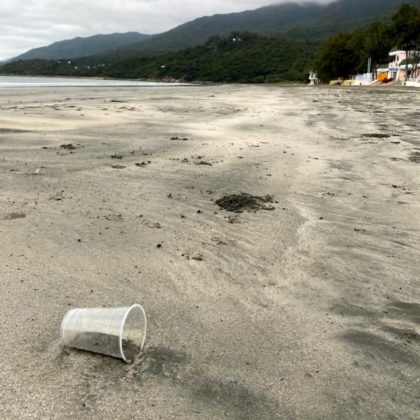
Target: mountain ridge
82,46
301,21
304,21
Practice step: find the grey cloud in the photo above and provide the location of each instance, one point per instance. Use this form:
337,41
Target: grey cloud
26,24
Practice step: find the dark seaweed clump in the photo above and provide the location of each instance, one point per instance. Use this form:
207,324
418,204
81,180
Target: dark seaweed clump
238,203
377,135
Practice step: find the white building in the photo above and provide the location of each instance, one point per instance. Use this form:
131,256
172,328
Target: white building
402,63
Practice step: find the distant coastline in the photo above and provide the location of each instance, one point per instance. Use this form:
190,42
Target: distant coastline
12,81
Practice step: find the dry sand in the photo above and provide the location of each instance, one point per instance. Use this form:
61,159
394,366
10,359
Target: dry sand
308,311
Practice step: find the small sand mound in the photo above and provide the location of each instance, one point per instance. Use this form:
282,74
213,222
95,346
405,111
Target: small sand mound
237,203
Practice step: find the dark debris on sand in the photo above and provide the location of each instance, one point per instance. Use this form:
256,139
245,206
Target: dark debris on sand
414,157
12,130
69,146
179,138
14,216
238,203
376,135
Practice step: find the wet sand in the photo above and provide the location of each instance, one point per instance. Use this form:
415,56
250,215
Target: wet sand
309,310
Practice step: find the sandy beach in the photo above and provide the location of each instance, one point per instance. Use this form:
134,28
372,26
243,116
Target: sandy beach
305,308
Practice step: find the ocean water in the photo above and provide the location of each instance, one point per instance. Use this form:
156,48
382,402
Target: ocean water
20,81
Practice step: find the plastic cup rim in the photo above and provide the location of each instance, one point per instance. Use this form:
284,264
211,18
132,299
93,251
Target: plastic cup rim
136,305
65,320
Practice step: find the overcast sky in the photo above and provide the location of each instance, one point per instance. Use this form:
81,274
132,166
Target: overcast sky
26,24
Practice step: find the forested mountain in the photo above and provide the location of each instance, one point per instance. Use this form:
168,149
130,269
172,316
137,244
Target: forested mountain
83,47
264,21
239,57
301,21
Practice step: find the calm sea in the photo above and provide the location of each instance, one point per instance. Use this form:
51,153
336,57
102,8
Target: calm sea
17,81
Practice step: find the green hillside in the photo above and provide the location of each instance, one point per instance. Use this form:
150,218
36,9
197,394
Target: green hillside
240,57
82,47
304,21
265,21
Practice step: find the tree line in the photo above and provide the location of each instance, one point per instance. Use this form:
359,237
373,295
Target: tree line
348,53
241,57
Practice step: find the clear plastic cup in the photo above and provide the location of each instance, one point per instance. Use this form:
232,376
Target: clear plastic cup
116,332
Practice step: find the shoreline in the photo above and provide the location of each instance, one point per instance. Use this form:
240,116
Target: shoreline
200,83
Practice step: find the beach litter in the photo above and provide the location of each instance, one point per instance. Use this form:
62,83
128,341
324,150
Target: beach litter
116,332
